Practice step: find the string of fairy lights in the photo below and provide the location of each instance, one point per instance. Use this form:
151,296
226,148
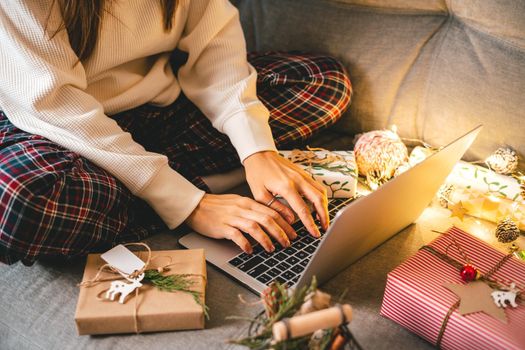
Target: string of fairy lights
382,154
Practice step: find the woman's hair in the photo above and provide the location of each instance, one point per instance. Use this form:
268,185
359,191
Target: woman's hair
82,19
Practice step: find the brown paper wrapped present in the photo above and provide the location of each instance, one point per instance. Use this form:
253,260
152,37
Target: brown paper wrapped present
153,310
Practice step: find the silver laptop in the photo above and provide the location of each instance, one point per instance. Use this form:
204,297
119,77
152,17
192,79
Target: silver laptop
357,226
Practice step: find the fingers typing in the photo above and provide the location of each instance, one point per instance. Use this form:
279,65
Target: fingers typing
302,210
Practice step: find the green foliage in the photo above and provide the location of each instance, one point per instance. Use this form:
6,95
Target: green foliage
336,186
343,169
175,283
521,255
260,329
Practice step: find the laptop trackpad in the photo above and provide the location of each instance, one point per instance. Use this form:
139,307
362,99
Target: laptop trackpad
218,251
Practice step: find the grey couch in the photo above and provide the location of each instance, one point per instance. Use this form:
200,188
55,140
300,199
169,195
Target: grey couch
434,68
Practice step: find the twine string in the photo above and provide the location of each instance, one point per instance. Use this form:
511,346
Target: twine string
460,250
135,311
498,265
445,322
97,279
137,273
111,269
484,277
310,159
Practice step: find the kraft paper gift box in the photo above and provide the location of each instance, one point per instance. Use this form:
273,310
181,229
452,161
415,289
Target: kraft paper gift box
415,296
335,170
156,310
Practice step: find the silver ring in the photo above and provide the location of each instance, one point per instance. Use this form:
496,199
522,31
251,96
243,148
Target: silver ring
271,200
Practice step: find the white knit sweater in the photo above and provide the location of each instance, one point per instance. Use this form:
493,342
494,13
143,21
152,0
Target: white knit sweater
43,91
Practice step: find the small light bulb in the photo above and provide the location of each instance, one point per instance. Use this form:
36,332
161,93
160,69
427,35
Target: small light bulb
494,198
394,128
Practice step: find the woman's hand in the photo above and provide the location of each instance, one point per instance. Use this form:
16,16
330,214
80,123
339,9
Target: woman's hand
269,174
225,216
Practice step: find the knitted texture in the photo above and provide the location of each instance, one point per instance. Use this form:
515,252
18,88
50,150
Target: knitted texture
54,202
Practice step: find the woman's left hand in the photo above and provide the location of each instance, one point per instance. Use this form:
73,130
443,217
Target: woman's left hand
269,174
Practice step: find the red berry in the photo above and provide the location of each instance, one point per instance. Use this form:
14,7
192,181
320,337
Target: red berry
468,273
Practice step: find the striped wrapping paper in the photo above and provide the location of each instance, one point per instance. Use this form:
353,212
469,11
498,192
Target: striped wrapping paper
416,299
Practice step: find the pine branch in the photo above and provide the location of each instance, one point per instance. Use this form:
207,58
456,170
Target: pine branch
289,304
175,283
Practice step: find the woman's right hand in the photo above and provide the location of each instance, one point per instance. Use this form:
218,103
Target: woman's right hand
228,216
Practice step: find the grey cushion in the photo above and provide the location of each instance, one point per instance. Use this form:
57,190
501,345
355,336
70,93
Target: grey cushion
406,6
433,68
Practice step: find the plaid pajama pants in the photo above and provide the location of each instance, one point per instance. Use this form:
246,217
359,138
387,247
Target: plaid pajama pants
53,202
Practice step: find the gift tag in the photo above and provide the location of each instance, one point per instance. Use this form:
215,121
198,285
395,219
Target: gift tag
123,259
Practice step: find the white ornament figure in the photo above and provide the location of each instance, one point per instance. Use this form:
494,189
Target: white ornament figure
502,297
123,288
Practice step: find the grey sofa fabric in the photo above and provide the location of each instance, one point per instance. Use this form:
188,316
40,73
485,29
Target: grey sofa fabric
434,68
37,304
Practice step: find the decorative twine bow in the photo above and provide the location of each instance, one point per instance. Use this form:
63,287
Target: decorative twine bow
310,158
487,278
152,272
331,160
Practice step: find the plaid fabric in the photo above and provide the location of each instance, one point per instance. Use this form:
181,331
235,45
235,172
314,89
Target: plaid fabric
54,202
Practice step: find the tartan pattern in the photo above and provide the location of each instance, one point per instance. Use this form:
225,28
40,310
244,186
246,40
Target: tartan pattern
54,202
304,94
44,189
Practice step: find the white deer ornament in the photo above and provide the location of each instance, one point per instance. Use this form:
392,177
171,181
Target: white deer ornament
502,297
123,288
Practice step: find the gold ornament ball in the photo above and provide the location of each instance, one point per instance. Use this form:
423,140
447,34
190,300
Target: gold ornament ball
507,231
513,248
504,161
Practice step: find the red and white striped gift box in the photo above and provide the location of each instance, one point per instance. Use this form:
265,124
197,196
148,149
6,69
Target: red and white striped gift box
416,299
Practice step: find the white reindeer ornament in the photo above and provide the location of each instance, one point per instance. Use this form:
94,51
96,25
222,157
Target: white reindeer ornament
123,288
502,297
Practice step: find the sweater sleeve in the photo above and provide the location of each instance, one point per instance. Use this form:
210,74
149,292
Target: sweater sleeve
42,91
218,79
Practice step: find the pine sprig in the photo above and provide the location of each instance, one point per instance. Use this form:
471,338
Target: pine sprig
175,283
260,329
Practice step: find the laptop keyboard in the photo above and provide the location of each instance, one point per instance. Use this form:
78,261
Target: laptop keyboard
285,264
